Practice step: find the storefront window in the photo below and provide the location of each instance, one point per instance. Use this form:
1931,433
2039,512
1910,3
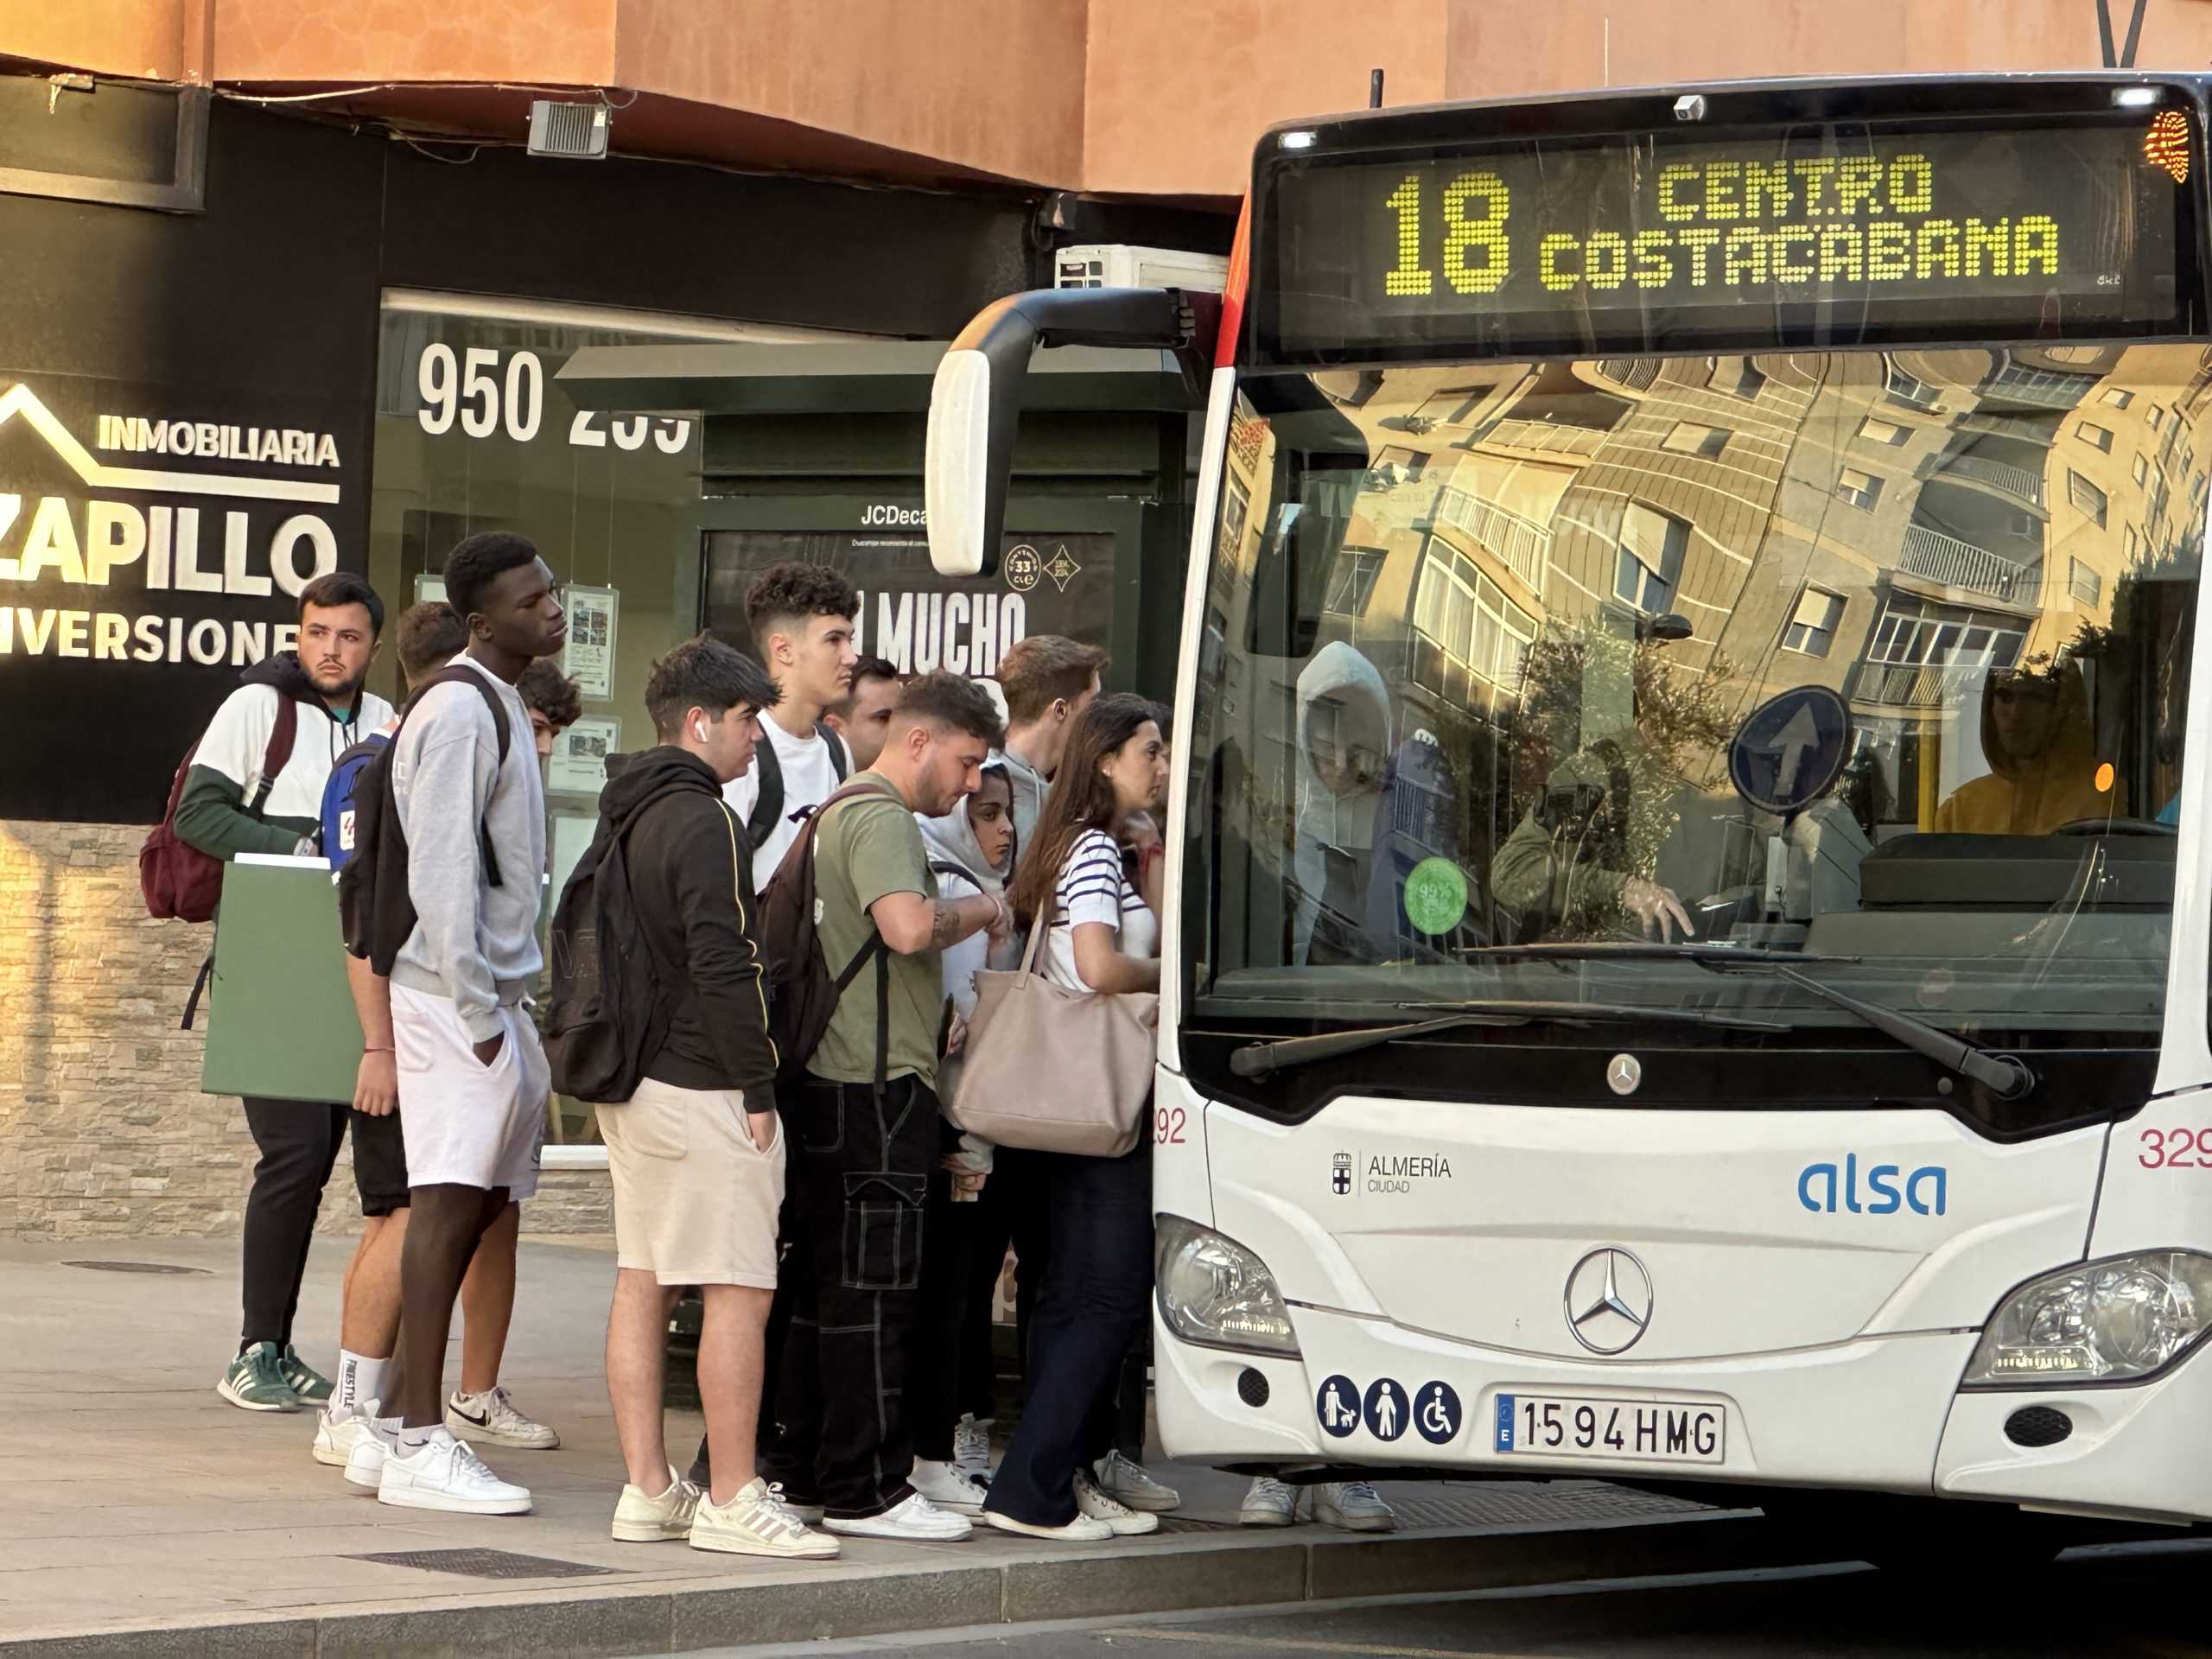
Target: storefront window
474,432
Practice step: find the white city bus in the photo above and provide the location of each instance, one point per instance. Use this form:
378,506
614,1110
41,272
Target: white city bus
1687,959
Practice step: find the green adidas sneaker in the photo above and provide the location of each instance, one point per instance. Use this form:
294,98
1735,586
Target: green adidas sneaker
311,1386
256,1381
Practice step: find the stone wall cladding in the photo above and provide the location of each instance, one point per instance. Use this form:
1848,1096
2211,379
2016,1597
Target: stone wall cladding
104,1131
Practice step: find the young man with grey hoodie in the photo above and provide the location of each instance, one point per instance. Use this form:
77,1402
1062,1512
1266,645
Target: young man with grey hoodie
1047,679
473,1076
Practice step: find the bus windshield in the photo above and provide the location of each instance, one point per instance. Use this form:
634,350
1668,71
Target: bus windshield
1877,661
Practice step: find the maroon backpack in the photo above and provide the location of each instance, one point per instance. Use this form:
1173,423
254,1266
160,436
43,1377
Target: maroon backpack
181,882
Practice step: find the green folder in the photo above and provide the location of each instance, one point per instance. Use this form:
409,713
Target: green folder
281,1024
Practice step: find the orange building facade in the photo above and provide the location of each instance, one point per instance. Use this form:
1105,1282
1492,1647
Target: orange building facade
1157,98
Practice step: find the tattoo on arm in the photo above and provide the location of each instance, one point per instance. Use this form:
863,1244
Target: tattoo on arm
945,923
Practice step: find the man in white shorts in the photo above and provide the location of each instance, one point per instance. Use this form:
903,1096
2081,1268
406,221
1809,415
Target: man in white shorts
696,1152
471,1070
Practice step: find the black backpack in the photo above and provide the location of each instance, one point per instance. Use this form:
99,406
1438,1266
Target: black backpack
605,1018
375,910
768,805
803,993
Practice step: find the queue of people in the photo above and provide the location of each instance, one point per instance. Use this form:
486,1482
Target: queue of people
810,813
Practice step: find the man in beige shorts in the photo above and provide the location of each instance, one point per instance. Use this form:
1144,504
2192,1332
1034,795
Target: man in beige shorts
698,1152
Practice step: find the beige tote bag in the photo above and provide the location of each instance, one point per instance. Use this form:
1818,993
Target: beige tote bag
1051,1069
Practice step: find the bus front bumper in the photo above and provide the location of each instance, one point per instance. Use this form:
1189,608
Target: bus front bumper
1881,1414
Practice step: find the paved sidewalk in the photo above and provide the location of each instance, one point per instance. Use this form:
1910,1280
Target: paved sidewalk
137,1501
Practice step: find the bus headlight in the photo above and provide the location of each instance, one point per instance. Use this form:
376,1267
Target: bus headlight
2111,1321
1216,1293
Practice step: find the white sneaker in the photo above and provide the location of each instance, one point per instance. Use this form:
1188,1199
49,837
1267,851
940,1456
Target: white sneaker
642,1519
807,1515
972,1445
334,1442
1083,1529
948,1486
1268,1503
1133,1486
755,1523
374,1440
1353,1505
442,1473
915,1521
490,1419
1121,1519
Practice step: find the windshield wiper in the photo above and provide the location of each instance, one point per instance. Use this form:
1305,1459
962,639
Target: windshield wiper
1639,951
1258,1059
2005,1075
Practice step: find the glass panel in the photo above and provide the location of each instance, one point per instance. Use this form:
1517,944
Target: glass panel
474,432
2013,683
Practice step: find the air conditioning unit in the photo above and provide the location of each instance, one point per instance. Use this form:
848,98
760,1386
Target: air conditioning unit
1117,264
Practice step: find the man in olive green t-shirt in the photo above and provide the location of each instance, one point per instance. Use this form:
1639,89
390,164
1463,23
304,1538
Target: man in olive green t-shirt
867,850
865,1149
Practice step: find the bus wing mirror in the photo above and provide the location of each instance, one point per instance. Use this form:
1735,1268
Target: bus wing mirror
976,400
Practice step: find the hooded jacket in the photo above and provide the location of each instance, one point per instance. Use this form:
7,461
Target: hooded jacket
1030,789
2033,794
225,771
1342,703
952,847
691,883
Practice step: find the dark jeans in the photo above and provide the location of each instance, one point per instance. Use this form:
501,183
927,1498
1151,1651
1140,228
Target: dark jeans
298,1144
1014,1207
862,1174
1096,1296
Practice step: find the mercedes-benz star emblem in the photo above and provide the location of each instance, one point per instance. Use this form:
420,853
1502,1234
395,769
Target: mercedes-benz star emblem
1608,1300
1623,1073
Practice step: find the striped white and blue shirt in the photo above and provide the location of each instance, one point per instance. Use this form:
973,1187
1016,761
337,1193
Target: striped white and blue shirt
1092,889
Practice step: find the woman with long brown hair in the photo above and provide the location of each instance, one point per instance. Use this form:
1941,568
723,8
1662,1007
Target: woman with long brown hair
1103,939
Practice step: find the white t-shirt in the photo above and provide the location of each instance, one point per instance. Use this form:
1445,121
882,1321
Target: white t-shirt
808,780
237,741
1092,889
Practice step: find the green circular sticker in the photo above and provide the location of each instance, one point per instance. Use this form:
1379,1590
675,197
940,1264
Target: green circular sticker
1436,895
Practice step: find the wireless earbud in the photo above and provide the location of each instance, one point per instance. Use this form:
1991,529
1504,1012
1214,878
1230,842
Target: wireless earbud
700,727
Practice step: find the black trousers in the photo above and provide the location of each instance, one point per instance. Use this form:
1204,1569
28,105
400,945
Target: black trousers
1014,1207
862,1170
934,1373
298,1144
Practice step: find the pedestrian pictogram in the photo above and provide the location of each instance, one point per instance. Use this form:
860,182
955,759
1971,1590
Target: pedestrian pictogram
1386,1409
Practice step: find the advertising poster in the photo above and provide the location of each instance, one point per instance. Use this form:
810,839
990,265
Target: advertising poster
579,762
916,618
588,657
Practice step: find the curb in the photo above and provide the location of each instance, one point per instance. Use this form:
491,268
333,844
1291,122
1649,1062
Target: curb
1200,1573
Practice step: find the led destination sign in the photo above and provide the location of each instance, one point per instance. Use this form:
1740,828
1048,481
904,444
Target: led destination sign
1835,233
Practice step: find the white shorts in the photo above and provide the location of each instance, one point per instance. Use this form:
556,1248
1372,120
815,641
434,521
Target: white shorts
466,1123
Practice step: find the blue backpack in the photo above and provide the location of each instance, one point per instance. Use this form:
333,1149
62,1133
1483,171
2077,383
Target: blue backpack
338,815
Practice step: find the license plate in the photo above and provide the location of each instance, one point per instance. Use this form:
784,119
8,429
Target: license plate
1571,1426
